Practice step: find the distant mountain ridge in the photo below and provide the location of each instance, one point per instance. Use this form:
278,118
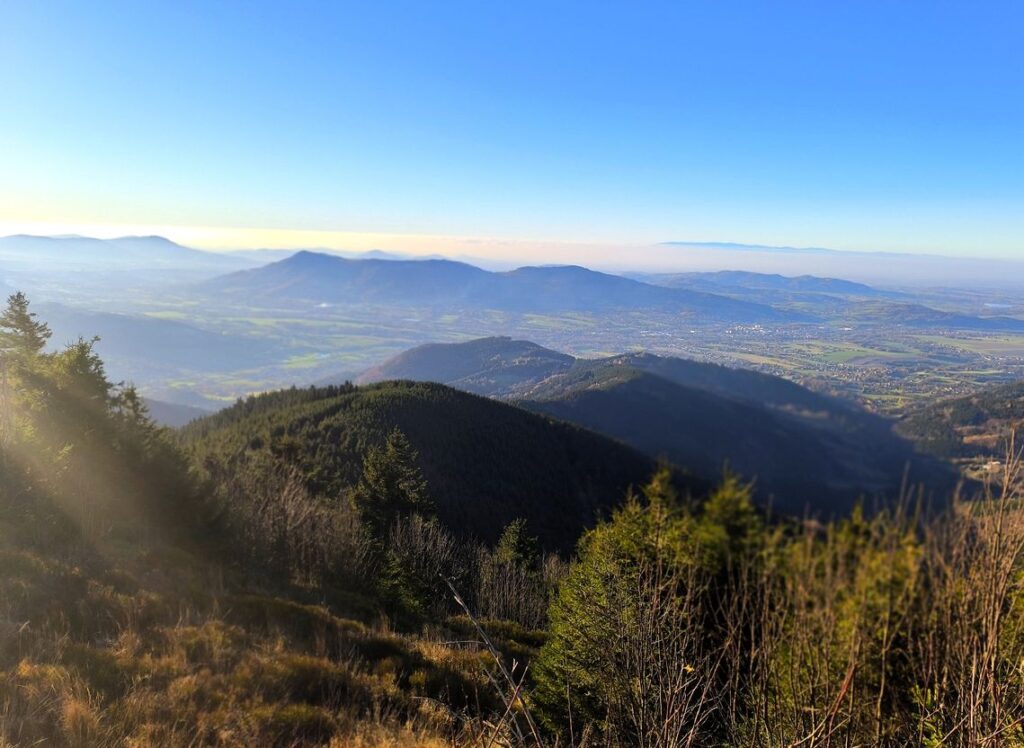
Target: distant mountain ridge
122,253
806,450
918,315
742,279
831,298
320,278
173,415
504,367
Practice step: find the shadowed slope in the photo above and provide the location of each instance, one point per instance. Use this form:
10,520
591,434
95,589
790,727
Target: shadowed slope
486,463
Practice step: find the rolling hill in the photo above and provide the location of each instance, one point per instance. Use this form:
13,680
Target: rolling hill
820,462
740,281
486,462
920,316
805,450
311,277
833,298
487,366
971,426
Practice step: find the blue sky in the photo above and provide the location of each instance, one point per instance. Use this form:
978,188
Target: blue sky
854,125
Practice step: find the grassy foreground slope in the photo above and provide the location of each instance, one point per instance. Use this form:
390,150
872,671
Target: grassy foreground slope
105,642
130,614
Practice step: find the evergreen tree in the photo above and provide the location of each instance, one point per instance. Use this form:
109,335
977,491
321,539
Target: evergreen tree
580,667
730,525
391,485
20,332
515,546
22,389
643,593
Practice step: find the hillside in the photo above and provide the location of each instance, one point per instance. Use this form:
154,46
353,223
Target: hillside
486,366
739,280
821,462
241,595
918,315
329,279
833,298
138,609
805,450
972,426
740,384
505,367
486,463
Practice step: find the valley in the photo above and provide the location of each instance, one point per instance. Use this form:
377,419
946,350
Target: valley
338,343
886,349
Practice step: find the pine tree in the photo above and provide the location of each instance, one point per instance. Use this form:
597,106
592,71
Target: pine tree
515,546
391,485
22,386
20,332
642,594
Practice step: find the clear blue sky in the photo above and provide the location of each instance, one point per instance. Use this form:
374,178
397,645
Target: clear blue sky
871,125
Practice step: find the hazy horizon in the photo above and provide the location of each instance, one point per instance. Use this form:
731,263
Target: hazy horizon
887,268
519,131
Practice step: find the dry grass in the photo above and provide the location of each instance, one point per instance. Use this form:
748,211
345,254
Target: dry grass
139,656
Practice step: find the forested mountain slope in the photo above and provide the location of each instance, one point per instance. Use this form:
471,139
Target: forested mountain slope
486,463
806,451
969,426
820,463
138,608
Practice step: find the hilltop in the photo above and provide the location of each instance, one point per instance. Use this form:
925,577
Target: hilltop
322,278
487,366
486,463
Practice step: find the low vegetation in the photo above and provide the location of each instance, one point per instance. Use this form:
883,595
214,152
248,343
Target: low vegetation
292,572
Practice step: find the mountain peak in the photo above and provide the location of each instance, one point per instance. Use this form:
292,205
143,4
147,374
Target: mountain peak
309,255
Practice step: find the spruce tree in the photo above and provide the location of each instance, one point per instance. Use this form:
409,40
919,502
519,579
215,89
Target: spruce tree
515,546
391,485
20,332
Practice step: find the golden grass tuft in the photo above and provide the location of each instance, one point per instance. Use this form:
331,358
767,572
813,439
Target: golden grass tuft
79,722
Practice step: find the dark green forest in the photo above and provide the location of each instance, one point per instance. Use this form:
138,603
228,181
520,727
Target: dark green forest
804,451
404,564
487,463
